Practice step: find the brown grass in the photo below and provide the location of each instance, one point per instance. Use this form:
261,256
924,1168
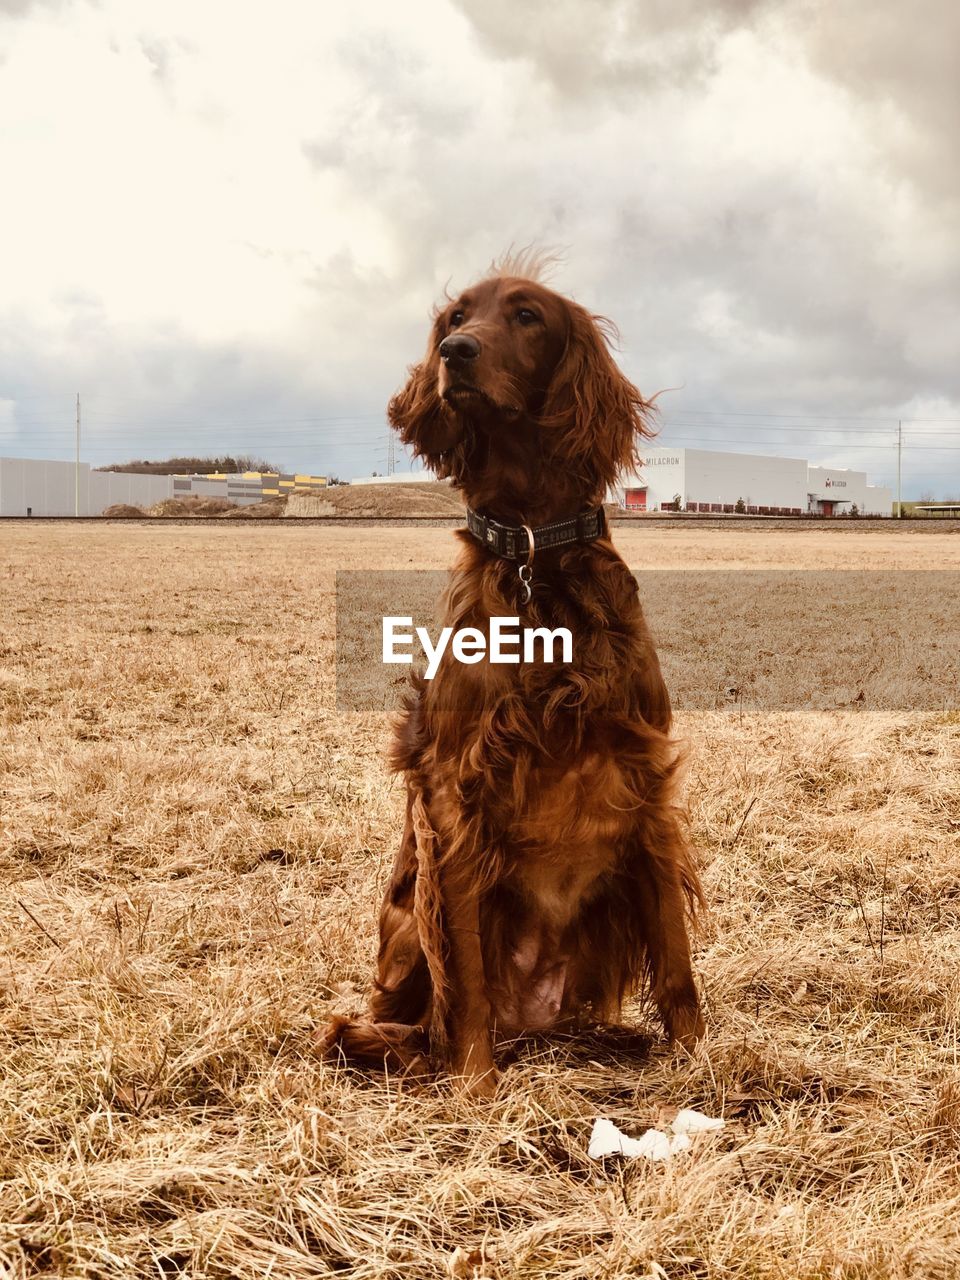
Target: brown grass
193,504
194,846
268,509
123,511
428,499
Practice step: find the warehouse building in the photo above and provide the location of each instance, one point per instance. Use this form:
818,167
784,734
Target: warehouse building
245,487
707,480
698,480
398,477
38,487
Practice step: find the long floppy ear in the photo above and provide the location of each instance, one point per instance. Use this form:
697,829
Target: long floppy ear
594,413
420,416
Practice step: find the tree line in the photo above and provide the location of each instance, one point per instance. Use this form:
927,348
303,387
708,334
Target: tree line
228,464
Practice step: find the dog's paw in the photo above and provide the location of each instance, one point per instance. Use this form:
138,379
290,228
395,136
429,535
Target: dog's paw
478,1084
687,1028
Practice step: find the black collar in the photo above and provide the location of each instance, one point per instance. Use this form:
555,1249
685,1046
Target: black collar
512,542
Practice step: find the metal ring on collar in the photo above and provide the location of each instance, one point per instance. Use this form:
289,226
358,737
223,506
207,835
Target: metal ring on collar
530,539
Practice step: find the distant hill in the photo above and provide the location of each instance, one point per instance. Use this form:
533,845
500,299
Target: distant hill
193,466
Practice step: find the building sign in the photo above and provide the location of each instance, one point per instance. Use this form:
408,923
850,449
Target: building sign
835,484
660,462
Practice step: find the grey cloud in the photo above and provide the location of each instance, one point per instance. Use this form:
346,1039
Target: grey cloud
617,48
811,286
903,63
21,8
905,59
331,152
395,115
159,54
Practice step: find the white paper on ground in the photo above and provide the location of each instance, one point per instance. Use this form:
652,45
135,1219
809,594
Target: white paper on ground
695,1122
654,1145
607,1140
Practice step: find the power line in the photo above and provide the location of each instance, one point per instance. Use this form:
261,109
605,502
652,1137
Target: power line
838,446
172,448
829,417
378,417
337,419
772,426
350,427
888,418
351,434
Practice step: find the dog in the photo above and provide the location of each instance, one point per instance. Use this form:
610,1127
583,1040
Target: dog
543,875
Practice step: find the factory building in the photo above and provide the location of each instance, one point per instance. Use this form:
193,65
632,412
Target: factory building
696,480
707,480
245,487
38,487
398,477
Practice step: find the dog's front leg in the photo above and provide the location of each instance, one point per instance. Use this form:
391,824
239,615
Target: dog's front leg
661,907
468,1013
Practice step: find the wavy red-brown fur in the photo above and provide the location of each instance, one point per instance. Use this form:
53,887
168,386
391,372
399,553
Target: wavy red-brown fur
544,874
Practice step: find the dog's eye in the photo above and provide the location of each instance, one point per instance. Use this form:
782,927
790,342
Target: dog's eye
456,319
526,316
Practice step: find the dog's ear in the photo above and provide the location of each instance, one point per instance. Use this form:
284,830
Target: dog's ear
595,414
421,418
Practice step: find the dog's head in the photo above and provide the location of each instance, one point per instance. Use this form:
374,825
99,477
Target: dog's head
518,387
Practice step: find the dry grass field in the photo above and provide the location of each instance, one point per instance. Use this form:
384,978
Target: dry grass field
193,846
425,499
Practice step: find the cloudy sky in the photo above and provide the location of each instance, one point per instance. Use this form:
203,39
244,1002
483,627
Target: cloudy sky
225,224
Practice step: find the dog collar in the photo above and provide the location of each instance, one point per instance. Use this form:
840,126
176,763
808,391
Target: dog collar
520,542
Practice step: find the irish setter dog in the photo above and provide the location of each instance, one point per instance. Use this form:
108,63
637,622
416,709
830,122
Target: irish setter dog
543,874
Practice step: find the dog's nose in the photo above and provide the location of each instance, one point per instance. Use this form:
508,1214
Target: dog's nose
459,348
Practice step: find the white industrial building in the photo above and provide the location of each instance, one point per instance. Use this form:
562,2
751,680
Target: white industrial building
699,480
38,487
398,477
709,480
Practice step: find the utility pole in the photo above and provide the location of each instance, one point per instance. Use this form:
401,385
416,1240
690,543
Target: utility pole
391,457
899,466
76,478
